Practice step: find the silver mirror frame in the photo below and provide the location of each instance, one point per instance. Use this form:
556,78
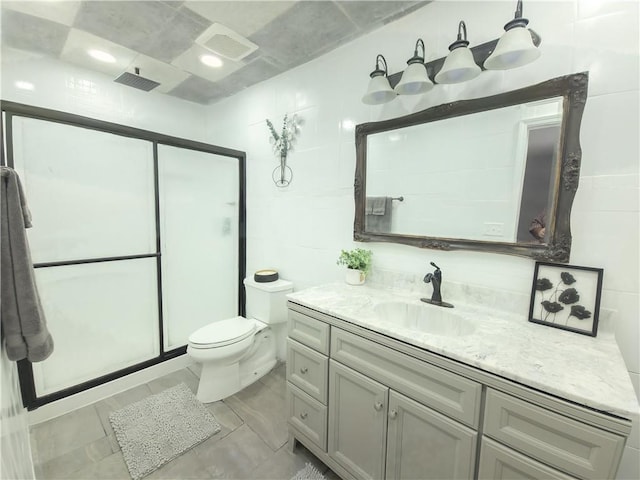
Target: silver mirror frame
573,89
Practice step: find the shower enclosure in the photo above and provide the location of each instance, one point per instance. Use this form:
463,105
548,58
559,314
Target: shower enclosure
138,240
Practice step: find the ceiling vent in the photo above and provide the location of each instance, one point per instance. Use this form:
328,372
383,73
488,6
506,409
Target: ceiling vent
225,42
136,81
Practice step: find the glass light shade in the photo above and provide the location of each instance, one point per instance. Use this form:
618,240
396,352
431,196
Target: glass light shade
414,80
379,91
459,66
514,49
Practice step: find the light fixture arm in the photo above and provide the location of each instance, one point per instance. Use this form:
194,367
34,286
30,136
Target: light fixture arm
416,57
462,37
378,71
518,20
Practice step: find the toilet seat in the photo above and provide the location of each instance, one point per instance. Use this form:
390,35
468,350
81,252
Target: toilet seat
224,332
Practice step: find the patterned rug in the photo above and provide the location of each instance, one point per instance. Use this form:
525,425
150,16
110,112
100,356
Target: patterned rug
309,472
159,428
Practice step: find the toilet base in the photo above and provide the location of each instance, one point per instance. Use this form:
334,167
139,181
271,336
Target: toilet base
221,381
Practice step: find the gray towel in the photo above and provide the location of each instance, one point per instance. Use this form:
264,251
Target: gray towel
24,328
376,205
378,214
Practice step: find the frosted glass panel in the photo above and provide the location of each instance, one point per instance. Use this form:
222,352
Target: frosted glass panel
102,316
91,193
199,232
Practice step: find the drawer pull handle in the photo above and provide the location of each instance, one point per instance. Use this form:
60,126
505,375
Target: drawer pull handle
378,406
303,415
393,414
304,370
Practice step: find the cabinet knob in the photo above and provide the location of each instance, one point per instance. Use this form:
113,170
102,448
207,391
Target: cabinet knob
393,414
303,415
378,406
304,370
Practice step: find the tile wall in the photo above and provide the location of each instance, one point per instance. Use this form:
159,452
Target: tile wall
300,229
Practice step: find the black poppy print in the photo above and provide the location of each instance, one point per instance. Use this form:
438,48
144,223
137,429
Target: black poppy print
566,297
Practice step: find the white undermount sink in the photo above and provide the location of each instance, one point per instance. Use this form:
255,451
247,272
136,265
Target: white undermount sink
424,318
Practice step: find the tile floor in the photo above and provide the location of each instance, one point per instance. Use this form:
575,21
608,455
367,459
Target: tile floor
251,444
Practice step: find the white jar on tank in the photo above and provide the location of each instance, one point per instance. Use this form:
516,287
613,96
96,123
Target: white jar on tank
237,351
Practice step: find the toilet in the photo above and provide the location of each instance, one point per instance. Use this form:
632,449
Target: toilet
237,351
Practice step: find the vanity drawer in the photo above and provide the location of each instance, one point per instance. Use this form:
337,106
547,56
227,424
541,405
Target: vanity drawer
309,331
308,415
498,462
307,369
561,442
446,392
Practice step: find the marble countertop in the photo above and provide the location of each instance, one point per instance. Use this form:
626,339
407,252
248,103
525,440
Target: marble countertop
587,370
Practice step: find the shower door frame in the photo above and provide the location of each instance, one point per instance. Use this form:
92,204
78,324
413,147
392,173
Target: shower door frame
30,398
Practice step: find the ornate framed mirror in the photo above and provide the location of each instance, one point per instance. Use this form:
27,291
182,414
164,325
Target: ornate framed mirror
495,174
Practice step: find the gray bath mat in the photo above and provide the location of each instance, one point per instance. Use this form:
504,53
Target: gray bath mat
155,430
309,472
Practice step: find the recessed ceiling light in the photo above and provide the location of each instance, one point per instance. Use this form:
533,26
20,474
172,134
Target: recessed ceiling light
24,85
211,61
102,56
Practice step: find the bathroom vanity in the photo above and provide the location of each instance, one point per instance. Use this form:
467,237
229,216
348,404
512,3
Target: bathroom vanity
383,386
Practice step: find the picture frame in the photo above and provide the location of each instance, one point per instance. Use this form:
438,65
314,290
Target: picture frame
566,297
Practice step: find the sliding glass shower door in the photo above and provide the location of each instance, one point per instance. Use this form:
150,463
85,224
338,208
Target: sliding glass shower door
91,195
137,241
199,217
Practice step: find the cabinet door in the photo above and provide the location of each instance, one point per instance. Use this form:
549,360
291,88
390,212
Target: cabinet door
357,422
423,444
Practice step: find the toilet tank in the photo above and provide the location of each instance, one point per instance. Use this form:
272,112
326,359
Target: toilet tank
267,301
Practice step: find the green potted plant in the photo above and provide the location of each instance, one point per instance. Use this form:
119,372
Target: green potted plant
358,263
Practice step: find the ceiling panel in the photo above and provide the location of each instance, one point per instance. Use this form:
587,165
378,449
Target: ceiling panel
159,36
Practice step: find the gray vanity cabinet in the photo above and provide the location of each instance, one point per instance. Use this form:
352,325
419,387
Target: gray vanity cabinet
423,444
375,433
371,407
357,422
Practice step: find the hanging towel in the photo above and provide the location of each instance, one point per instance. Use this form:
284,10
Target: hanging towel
378,214
376,205
24,329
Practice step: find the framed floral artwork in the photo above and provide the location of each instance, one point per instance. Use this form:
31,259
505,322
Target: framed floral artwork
567,297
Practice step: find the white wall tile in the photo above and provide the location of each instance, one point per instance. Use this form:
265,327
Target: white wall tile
605,224
630,465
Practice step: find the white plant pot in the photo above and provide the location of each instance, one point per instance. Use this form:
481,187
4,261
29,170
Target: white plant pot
354,277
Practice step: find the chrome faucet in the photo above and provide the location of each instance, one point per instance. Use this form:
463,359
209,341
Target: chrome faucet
435,279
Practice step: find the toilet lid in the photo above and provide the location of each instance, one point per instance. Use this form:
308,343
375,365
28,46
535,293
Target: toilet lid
224,332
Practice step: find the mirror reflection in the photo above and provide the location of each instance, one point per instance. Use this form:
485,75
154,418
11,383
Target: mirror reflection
485,176
495,174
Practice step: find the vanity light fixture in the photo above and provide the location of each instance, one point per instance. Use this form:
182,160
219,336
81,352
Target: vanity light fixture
459,66
518,46
515,48
379,90
415,79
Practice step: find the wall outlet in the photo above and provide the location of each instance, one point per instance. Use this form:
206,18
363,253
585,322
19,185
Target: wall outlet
493,229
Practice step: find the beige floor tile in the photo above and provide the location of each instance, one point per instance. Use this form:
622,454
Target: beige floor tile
111,467
234,456
283,465
226,417
64,465
66,433
264,409
276,378
186,466
185,376
196,369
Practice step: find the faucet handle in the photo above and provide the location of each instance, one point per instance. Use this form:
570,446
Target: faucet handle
434,265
